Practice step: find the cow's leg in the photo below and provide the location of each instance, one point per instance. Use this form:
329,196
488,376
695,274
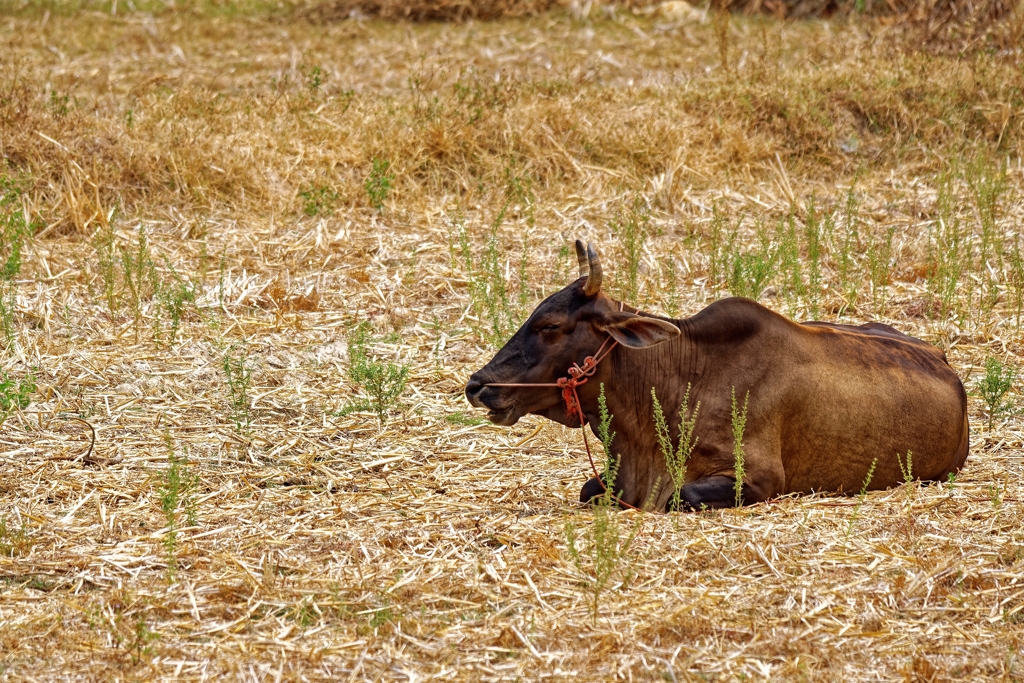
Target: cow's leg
591,490
594,489
718,492
763,479
711,492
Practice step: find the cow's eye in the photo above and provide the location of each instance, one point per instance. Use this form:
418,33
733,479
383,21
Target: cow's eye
549,328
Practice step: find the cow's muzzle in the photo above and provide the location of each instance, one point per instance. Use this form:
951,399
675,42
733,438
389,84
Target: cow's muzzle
481,395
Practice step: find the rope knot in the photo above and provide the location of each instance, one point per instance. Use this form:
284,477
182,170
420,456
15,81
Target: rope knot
569,398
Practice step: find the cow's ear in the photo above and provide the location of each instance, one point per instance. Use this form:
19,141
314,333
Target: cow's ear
637,331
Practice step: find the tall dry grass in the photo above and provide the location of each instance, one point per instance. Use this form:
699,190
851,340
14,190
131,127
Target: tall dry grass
94,130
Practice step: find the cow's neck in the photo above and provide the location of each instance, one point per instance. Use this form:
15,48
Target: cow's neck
628,376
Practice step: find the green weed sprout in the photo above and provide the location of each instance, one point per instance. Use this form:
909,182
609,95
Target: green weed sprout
490,290
177,489
739,425
751,272
238,376
603,554
907,471
14,542
173,298
140,276
675,458
863,495
632,228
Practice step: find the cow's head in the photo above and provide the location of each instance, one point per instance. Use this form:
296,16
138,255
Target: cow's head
564,329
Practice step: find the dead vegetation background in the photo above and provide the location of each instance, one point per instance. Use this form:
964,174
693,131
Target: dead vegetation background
203,188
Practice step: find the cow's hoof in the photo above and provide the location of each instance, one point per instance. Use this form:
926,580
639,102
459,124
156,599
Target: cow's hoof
591,490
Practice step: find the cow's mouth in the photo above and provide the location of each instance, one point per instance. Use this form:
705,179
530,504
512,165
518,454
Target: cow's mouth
505,417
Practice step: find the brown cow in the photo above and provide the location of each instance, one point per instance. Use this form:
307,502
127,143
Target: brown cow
825,400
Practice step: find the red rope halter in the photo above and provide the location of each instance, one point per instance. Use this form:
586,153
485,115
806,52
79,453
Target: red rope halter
577,376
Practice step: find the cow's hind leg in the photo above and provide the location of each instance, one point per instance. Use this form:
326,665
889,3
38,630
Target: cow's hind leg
713,493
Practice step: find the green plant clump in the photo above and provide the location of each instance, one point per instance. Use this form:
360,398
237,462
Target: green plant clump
753,270
14,542
379,183
15,394
105,243
320,199
907,470
315,77
490,289
15,230
129,276
126,631
994,386
382,382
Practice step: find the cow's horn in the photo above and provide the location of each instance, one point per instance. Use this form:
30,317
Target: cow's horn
594,274
581,256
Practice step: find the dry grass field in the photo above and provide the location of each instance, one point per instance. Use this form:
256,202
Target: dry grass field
260,255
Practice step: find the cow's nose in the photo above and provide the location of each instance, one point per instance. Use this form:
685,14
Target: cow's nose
473,388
